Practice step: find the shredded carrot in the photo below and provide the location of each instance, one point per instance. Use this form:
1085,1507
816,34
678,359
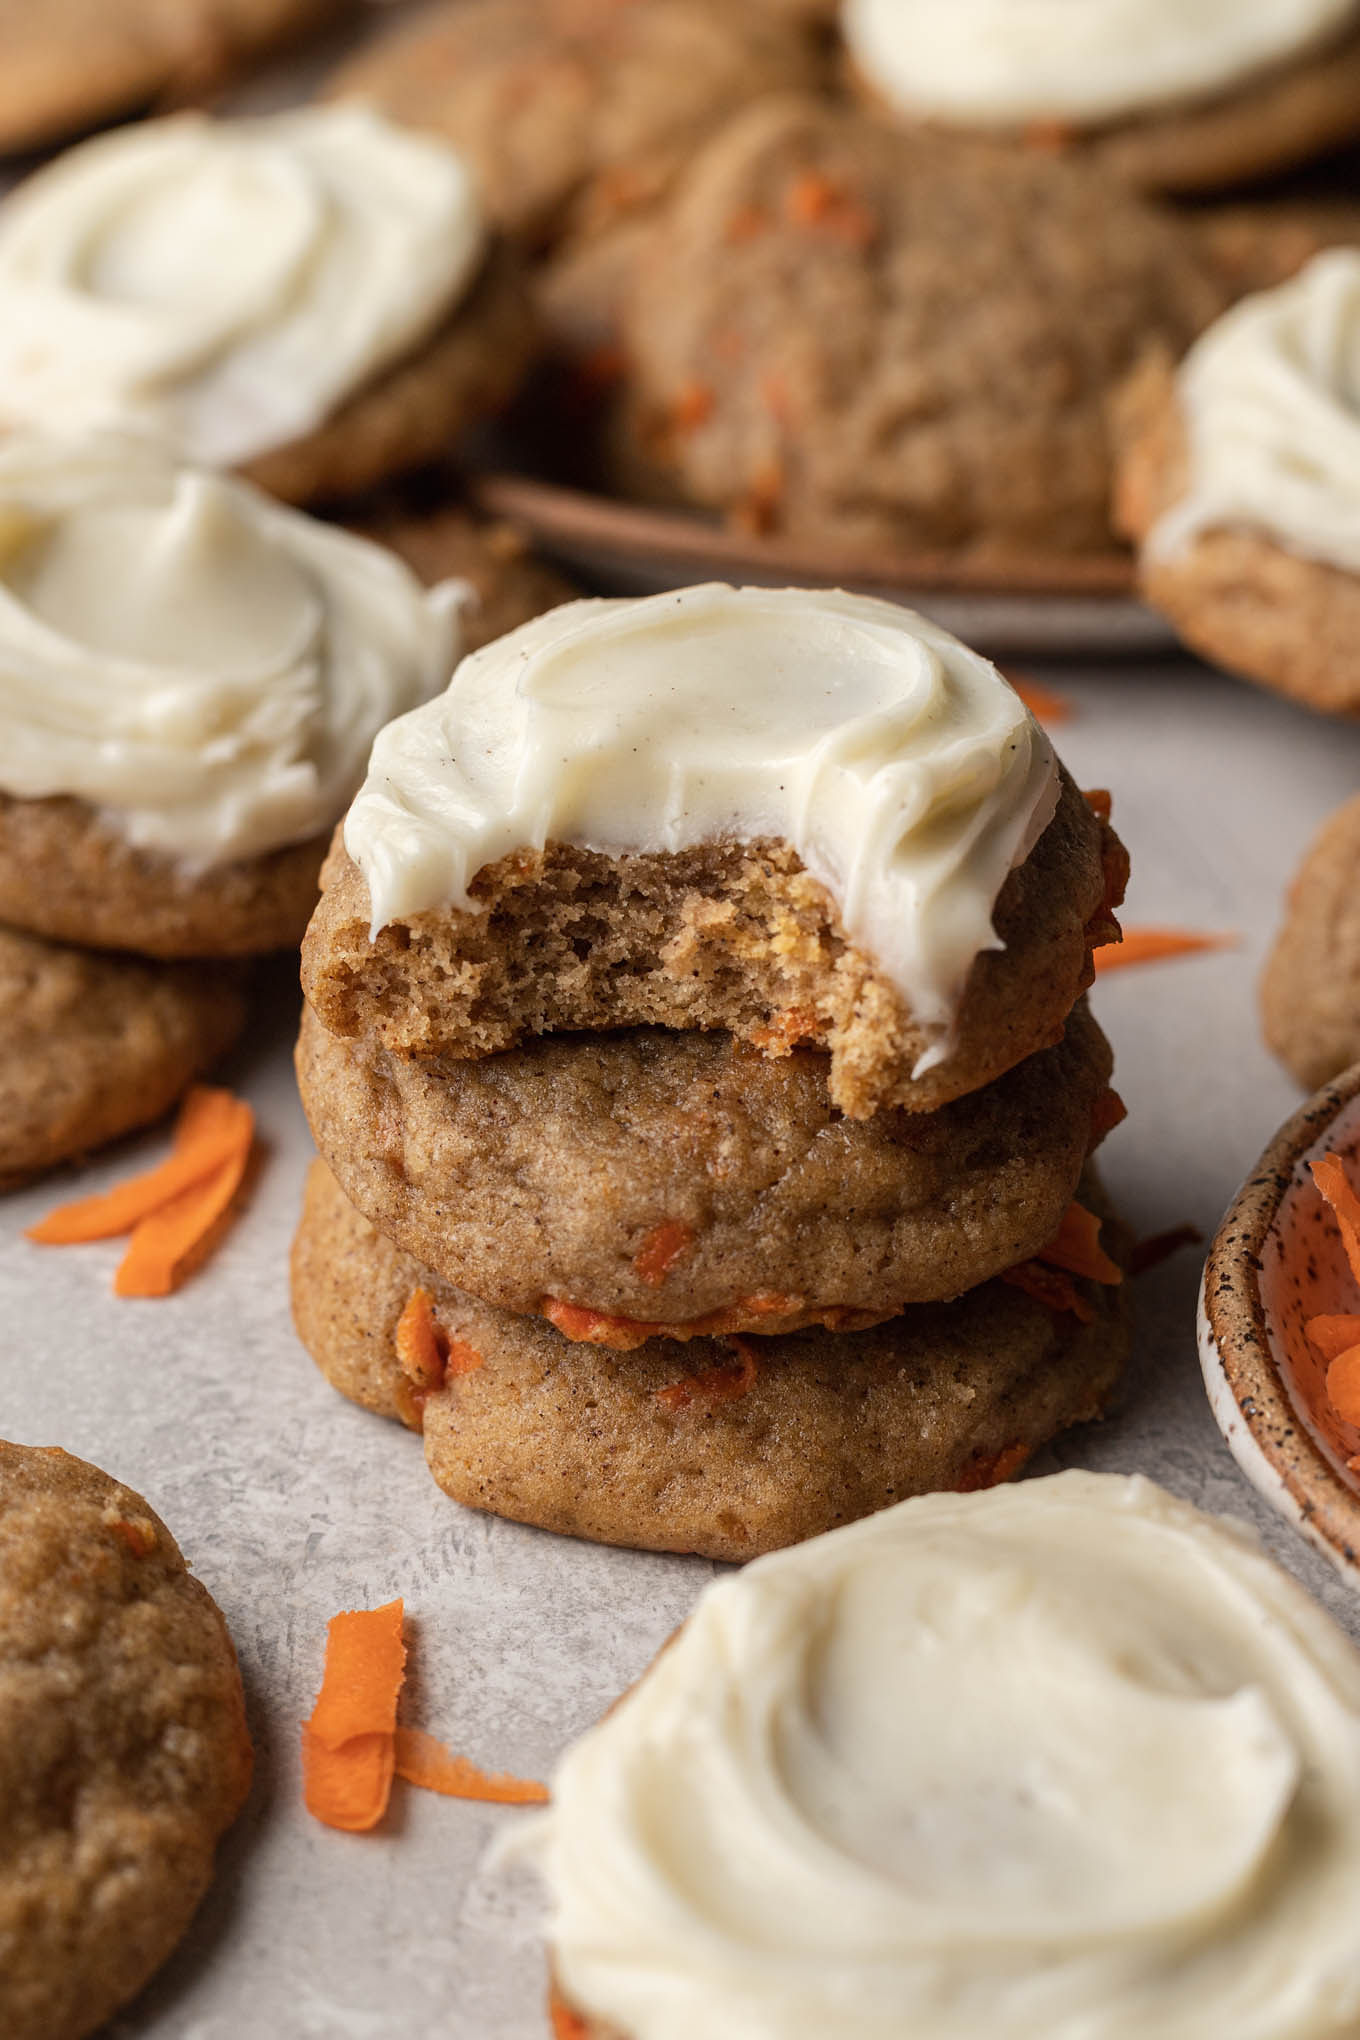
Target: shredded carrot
422,1346
625,1334
663,1246
348,1745
566,2024
1343,1385
423,1760
1049,137
1153,945
134,1531
1330,1176
213,1128
1043,704
1100,801
986,1470
348,1788
783,1034
1047,1286
365,1666
714,1384
692,407
817,201
1076,1248
1108,1112
1334,1333
167,1244
1160,1247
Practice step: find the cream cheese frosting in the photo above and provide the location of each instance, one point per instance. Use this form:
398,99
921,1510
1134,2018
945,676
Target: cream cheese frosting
1270,398
227,284
996,62
905,772
202,665
1060,1761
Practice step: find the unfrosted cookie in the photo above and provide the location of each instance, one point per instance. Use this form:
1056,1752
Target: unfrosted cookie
1233,479
94,1045
732,936
123,1746
593,1443
495,560
888,339
685,1178
1310,994
543,96
72,64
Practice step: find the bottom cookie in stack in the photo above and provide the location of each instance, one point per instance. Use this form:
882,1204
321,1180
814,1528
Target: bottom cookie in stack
724,1447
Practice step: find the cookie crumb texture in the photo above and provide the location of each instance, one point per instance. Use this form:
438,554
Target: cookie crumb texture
733,936
576,1439
123,1745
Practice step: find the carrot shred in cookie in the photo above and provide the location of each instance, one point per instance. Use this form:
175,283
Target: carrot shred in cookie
989,1469
1330,1176
1043,704
714,1384
1108,1112
213,1126
1155,945
625,1334
1075,1247
663,1246
425,1761
422,1348
1100,801
1048,1286
817,201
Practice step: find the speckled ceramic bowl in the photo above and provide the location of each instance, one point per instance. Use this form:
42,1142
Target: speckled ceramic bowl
1277,1262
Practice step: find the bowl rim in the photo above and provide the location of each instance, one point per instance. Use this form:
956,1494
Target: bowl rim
1274,1448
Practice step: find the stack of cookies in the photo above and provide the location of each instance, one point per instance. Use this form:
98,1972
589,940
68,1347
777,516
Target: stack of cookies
696,1052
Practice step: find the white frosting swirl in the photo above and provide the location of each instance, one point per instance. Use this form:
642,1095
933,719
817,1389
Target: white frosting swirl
1056,1760
203,665
1270,396
227,284
905,772
995,62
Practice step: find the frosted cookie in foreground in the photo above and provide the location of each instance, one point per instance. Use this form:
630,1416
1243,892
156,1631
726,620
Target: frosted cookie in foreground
124,1754
1310,993
313,299
74,64
889,341
191,676
1239,474
1065,1757
724,1446
802,817
1174,95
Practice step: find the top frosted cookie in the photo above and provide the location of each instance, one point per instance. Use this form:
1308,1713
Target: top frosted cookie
802,816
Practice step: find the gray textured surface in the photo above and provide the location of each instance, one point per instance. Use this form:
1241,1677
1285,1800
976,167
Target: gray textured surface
291,1505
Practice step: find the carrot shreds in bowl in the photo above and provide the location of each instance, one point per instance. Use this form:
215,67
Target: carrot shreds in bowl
213,1126
1330,1176
425,1761
1155,945
1343,1385
1333,1332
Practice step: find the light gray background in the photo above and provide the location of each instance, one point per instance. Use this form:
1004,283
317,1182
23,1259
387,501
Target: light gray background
291,1505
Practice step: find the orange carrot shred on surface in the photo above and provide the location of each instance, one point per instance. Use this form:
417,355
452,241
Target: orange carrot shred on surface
714,1384
1156,945
1043,704
1333,1333
213,1128
1330,1176
425,1761
348,1788
1051,1288
1343,1385
662,1247
1076,1248
167,1244
365,1667
1151,1252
